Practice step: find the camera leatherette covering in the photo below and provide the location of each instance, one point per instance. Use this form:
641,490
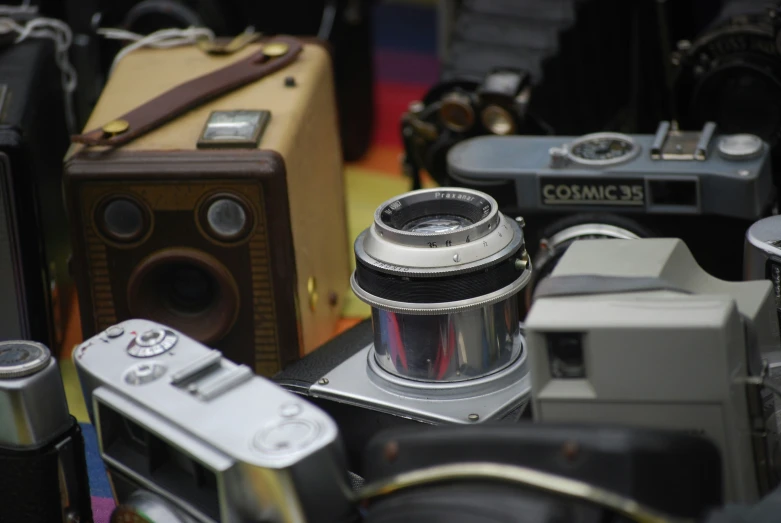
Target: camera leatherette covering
30,479
301,375
33,138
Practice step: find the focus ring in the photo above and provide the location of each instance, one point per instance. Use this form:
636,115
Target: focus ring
440,289
435,309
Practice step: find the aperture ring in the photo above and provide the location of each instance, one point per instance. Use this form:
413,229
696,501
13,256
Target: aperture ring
447,307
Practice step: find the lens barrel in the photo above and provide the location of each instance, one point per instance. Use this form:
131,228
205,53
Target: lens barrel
441,269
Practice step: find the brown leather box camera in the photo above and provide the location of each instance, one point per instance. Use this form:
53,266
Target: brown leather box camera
244,249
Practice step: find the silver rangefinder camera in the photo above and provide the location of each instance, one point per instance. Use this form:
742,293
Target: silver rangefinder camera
442,270
636,333
189,436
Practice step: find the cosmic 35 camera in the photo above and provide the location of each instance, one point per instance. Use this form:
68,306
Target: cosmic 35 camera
702,187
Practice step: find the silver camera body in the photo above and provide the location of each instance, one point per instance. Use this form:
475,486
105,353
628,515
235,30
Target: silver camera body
441,269
636,333
762,261
187,433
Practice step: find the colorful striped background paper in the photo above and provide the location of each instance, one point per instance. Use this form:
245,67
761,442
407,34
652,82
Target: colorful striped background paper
406,66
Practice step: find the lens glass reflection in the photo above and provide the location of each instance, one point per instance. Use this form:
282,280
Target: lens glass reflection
437,224
226,218
497,120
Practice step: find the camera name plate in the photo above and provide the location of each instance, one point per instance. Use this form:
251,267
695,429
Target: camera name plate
558,190
235,129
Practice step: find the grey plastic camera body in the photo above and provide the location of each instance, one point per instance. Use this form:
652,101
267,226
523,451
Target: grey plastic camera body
184,431
672,172
636,333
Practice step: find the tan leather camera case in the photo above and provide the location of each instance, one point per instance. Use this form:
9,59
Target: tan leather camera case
277,293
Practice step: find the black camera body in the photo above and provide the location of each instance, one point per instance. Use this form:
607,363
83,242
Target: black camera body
731,73
34,236
42,456
454,110
667,472
704,188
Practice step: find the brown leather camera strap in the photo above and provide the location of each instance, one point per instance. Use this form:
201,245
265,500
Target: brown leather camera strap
273,56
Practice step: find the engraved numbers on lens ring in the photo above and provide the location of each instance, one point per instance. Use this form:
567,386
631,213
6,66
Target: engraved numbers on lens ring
225,217
152,343
123,220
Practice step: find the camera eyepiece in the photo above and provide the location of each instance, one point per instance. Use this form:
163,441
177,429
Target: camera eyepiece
441,268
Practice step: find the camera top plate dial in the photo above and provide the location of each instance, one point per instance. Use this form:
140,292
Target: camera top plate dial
152,343
22,358
603,149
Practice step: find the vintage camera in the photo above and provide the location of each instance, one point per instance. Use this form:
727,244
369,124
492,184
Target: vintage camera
762,257
455,110
441,269
762,261
699,186
34,242
563,45
42,456
731,72
217,223
187,436
635,332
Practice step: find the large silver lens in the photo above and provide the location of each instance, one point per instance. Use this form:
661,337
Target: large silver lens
441,269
